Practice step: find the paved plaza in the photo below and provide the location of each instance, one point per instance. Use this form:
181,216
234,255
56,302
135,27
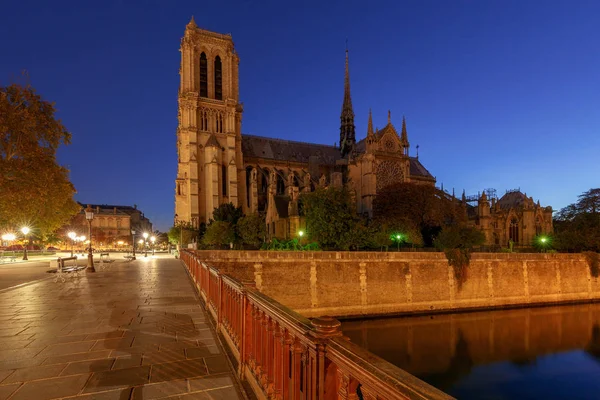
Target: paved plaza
133,331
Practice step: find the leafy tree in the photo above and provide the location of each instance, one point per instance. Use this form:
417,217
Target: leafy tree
182,230
251,229
577,226
331,219
417,207
457,242
228,213
219,233
35,189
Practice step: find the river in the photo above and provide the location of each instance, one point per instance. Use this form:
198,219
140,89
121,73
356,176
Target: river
527,353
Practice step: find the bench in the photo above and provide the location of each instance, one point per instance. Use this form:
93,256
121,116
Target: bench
129,257
105,260
61,270
4,258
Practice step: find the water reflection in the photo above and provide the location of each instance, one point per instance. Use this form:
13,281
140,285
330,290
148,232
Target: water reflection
458,352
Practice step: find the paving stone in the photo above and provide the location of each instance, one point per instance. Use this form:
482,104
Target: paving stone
66,348
109,380
4,374
51,388
33,373
217,364
211,382
7,390
120,394
82,367
160,390
77,357
133,360
178,370
213,394
165,356
201,352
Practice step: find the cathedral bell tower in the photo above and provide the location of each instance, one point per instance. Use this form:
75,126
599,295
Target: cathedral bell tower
210,165
347,129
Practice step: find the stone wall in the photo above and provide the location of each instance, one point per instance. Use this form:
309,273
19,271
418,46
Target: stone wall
361,283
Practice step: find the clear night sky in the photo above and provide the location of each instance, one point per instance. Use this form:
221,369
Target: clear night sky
497,94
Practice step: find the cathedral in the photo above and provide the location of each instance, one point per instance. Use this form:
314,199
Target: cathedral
218,164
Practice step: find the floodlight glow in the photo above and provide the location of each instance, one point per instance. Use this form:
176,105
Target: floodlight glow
9,237
301,233
145,235
72,235
152,239
141,242
25,230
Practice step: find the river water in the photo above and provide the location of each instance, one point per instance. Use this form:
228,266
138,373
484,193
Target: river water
528,353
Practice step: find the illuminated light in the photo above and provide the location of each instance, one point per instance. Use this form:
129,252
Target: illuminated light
301,233
145,235
25,230
120,242
153,239
72,235
141,241
9,237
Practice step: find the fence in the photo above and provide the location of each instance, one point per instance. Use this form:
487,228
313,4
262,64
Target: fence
283,355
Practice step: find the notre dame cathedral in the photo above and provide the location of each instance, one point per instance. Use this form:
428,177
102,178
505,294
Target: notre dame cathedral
218,164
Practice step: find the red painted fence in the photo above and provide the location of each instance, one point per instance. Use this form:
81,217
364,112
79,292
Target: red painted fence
283,355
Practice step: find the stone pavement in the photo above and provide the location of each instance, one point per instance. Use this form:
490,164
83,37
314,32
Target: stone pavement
134,331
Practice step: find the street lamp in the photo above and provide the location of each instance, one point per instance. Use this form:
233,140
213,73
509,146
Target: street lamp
153,239
8,237
72,235
89,215
133,244
145,235
25,231
398,239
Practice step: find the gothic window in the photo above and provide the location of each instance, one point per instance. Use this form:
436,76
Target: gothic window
538,226
513,230
218,79
203,76
248,185
389,172
280,185
203,120
224,179
219,122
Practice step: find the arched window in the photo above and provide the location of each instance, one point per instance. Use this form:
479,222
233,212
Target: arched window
204,120
280,185
218,79
513,232
264,181
203,76
219,126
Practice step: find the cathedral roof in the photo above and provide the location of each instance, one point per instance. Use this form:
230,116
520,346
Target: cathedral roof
287,150
512,199
417,169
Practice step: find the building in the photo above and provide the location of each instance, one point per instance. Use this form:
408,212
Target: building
218,164
110,225
513,218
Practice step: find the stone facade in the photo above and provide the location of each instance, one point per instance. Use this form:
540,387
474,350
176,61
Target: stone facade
513,218
217,164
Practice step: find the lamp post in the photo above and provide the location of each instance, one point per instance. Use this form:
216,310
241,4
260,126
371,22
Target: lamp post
25,230
89,215
72,235
133,244
398,238
152,240
145,235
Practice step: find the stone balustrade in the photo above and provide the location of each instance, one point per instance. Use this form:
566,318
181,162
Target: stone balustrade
283,355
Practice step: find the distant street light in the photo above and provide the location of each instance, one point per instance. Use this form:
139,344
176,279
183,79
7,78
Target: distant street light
25,231
8,237
89,215
301,233
398,238
133,244
152,239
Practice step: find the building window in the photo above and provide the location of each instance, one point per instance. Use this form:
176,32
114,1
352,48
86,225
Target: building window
218,79
513,232
219,120
224,180
280,185
203,76
203,120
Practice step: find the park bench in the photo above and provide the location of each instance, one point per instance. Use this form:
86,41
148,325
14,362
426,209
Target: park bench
105,260
6,258
128,256
62,270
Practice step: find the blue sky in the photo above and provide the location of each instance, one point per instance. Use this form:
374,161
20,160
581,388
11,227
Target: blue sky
497,94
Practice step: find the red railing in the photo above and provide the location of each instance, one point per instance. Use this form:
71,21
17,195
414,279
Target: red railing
283,355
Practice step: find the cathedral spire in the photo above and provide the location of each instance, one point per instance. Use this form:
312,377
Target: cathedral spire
404,136
191,24
370,125
347,129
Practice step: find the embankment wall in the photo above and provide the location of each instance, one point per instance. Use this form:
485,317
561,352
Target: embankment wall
371,283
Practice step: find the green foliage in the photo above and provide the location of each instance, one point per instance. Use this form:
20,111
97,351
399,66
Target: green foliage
251,229
417,208
593,260
228,213
331,219
289,245
36,191
457,242
577,226
219,234
182,230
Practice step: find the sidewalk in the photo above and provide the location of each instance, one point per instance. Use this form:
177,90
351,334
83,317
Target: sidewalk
135,331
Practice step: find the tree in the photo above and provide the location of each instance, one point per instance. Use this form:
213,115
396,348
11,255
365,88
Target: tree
35,189
219,233
413,206
228,212
251,229
182,230
577,226
331,219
